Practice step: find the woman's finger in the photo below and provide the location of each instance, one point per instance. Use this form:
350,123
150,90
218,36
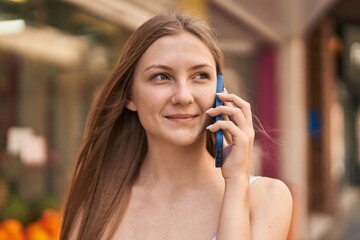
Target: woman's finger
227,135
237,103
235,115
238,136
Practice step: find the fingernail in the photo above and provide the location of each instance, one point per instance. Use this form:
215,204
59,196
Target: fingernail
207,111
209,126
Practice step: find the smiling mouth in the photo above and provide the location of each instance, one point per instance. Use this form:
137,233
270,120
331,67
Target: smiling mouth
181,117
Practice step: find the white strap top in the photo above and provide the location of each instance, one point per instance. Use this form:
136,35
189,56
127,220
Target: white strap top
252,179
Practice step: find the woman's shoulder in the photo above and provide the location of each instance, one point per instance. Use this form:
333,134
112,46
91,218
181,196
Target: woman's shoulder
272,193
268,182
270,208
270,187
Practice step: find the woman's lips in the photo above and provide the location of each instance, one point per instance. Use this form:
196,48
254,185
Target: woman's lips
181,117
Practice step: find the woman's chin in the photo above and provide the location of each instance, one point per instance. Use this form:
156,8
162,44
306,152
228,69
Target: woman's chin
179,138
188,140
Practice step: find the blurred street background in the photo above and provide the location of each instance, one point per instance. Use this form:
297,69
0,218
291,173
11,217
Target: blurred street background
296,61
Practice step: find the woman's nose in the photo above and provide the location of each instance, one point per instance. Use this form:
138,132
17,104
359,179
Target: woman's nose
182,94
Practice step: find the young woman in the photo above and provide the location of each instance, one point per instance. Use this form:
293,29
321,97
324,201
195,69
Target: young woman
146,167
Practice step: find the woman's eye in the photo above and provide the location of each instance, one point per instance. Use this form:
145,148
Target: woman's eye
202,76
161,76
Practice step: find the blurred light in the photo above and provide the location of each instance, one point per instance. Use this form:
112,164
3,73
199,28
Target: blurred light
124,13
22,142
16,136
33,151
47,44
9,27
355,54
17,1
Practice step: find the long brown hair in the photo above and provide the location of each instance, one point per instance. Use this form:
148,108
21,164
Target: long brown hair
114,143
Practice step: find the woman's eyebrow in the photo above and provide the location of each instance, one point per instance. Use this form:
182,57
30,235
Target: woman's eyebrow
161,66
201,66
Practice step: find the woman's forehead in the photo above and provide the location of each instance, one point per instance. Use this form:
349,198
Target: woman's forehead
175,48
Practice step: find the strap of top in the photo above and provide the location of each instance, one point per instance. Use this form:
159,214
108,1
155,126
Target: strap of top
253,179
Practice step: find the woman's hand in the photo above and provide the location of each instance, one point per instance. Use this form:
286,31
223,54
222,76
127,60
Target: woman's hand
239,134
270,200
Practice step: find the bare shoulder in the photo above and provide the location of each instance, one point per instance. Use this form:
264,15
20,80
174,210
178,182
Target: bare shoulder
270,188
270,208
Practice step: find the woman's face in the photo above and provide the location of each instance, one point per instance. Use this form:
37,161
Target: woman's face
174,84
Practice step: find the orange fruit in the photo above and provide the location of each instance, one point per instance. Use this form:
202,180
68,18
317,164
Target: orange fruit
50,221
12,225
4,235
14,228
36,232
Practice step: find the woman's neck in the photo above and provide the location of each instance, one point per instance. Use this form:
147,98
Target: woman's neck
173,166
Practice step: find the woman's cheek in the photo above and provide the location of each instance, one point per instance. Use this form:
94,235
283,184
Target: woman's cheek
207,96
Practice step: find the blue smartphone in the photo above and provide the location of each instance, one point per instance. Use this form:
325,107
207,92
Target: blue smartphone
219,135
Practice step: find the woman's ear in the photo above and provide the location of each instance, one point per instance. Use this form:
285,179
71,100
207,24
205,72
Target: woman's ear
130,105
